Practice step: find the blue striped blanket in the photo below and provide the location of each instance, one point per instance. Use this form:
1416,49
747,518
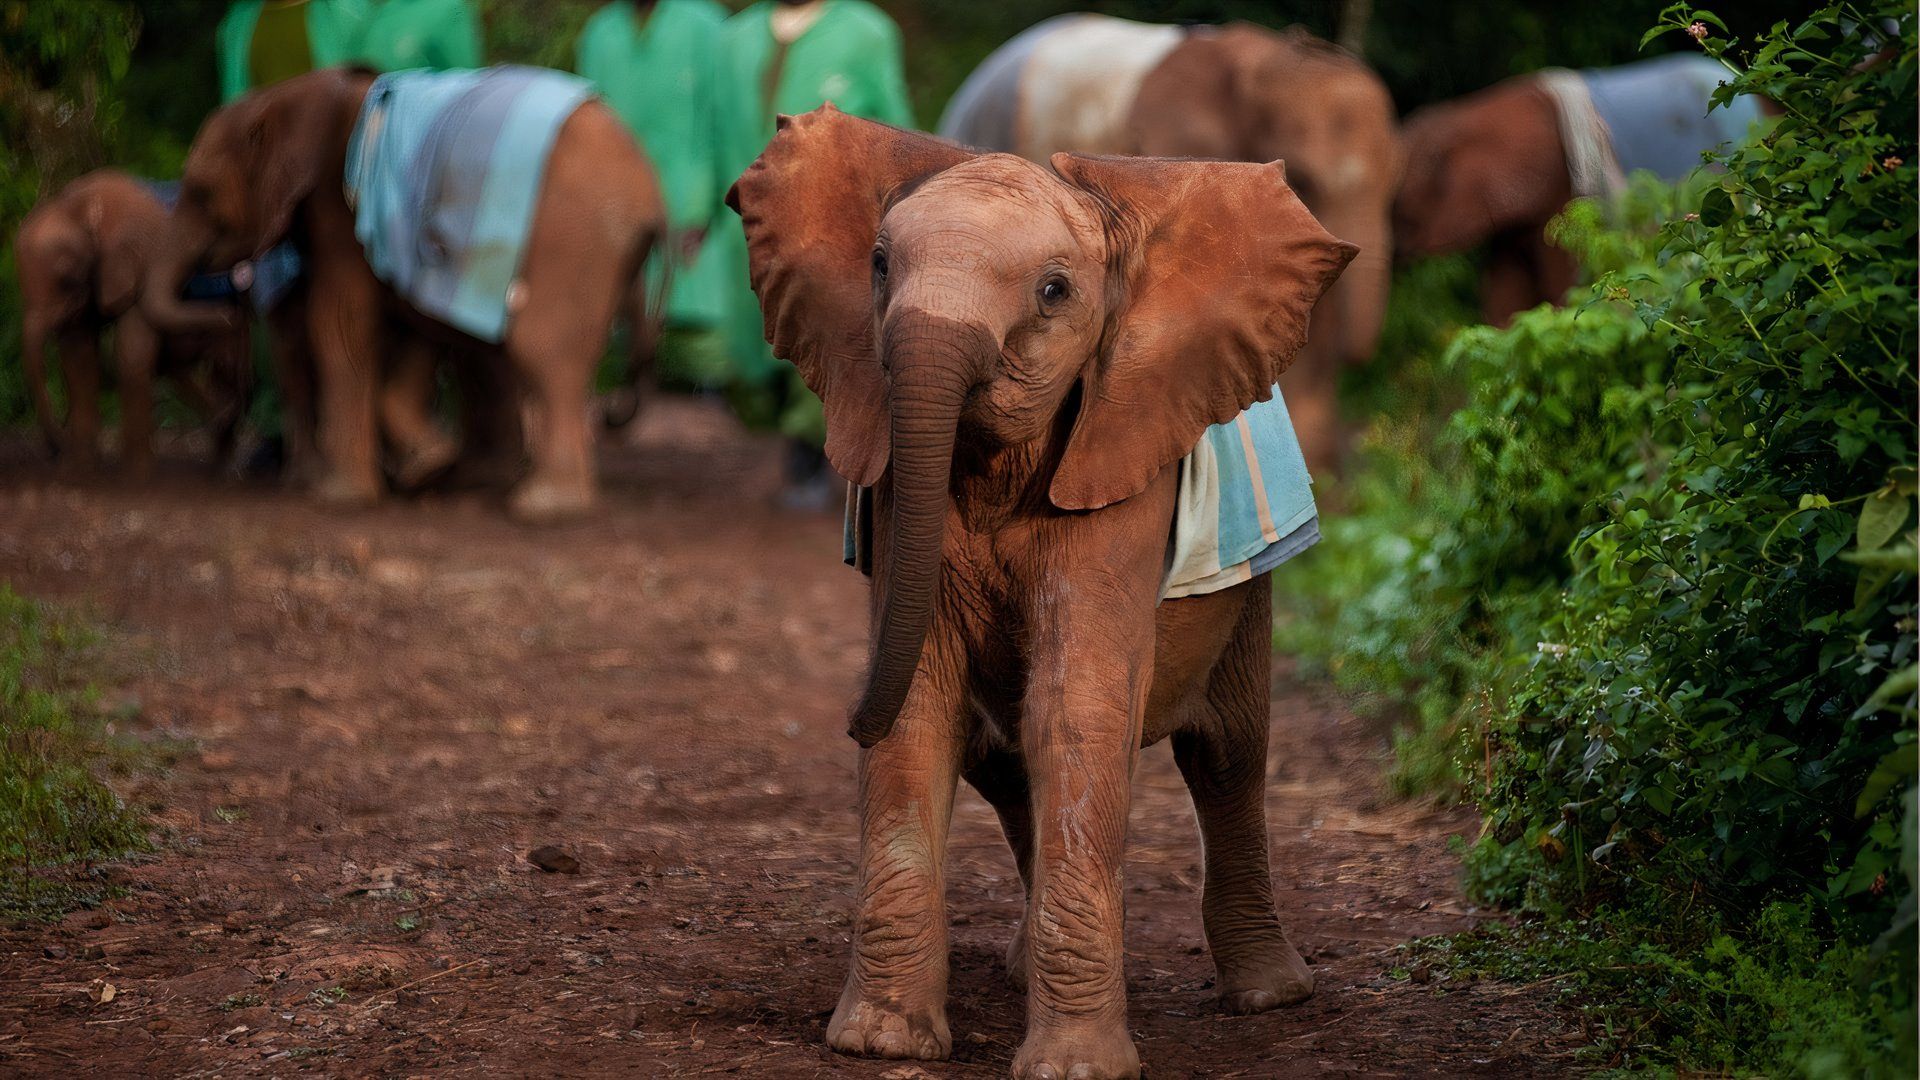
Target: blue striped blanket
443,173
1245,506
1658,114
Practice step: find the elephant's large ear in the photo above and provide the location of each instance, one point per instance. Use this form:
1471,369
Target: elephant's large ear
811,204
121,269
1218,266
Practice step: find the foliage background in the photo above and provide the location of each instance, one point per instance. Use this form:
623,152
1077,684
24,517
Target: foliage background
87,83
1643,587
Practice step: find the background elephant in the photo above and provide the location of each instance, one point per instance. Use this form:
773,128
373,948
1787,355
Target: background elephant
1494,167
83,256
1012,356
1095,84
270,167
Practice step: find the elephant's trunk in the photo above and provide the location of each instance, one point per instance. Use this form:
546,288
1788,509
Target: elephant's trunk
1359,298
33,366
160,295
935,364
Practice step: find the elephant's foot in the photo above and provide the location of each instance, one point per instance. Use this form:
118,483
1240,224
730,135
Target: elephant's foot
542,501
888,1030
336,489
1017,956
1263,976
424,462
1091,1052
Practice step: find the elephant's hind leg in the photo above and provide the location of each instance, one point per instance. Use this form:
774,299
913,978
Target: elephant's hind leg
422,452
1002,781
1224,760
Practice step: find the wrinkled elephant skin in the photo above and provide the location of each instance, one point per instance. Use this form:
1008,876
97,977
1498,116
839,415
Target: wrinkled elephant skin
1012,355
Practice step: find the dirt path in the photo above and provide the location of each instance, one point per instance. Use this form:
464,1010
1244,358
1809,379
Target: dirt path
388,709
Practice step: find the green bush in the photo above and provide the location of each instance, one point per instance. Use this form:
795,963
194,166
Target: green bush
1776,996
1702,712
1647,594
53,809
1460,527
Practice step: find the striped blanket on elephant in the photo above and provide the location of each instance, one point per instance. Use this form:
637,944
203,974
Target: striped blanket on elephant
1245,506
1067,83
443,173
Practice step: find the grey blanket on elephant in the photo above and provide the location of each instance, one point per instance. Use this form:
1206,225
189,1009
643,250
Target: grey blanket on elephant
1657,115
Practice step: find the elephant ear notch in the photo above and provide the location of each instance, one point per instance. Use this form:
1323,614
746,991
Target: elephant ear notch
811,205
1219,264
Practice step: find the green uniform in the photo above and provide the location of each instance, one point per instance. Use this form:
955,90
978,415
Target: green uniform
437,34
849,56
295,37
656,70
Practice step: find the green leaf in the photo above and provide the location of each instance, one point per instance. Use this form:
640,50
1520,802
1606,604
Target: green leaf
1901,763
1881,518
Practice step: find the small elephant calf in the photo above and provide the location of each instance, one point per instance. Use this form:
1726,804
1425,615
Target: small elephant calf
83,255
1014,358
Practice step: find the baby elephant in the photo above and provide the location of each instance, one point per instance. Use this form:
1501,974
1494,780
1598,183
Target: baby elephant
83,256
1011,357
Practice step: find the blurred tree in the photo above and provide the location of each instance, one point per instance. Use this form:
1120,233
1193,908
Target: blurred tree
59,66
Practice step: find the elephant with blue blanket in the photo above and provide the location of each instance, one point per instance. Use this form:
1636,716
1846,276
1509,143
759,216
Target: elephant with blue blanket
1494,167
503,215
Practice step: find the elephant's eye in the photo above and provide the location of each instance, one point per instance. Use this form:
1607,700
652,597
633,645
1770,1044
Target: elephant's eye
879,264
1053,290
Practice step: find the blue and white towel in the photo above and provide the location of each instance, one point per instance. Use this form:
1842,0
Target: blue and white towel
1245,506
1245,503
443,173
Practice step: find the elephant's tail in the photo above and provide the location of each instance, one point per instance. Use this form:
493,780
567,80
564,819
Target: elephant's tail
647,316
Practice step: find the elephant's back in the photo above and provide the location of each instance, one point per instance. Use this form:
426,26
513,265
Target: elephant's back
983,111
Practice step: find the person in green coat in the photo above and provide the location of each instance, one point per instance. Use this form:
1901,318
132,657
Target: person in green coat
653,61
439,34
788,57
261,42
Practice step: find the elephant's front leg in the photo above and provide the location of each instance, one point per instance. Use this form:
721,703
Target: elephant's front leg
80,366
136,352
1080,733
894,1004
344,323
